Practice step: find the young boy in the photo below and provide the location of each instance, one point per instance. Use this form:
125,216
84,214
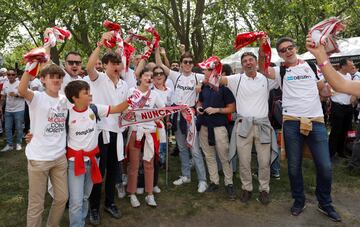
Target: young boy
82,147
46,150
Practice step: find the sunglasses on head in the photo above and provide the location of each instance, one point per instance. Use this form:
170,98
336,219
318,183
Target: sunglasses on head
285,49
74,62
185,62
158,74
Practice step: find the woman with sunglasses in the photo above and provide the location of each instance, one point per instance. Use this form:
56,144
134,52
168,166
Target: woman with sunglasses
143,137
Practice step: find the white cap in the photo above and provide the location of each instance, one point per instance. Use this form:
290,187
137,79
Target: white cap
3,70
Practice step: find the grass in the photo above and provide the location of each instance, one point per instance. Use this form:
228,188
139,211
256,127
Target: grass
175,203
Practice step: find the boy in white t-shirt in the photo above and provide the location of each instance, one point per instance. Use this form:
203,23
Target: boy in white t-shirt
46,151
82,147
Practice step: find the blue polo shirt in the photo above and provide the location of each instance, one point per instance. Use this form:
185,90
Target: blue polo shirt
216,99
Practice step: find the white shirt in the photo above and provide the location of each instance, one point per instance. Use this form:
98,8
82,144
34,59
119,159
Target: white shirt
13,104
184,92
342,98
165,95
83,133
47,124
300,93
130,78
67,79
252,95
154,101
105,92
36,85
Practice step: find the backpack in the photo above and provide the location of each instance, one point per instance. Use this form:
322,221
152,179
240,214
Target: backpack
275,110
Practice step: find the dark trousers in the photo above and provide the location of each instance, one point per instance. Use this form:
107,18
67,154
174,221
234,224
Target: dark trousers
355,158
110,169
340,121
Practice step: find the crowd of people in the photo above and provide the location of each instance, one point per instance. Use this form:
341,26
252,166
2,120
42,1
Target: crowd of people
76,144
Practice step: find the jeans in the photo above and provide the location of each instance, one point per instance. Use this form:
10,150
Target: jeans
275,165
318,143
185,156
79,192
12,118
162,153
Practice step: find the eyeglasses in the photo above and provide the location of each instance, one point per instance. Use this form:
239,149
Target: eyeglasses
185,62
11,74
158,74
74,62
285,49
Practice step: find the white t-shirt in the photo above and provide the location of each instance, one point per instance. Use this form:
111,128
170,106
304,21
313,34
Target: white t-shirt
130,78
185,92
165,95
342,98
154,101
83,133
47,124
300,93
36,85
106,93
67,79
252,95
13,104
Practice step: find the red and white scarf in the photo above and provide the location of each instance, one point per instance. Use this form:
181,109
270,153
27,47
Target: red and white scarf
57,34
216,66
325,33
151,44
248,38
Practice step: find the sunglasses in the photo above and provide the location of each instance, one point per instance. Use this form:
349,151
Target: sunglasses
158,74
11,74
285,49
74,62
185,62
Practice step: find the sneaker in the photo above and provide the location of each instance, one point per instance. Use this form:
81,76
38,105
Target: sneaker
330,212
150,200
182,180
275,176
245,196
134,201
18,147
7,148
297,209
212,187
113,211
264,198
231,191
202,186
94,217
140,191
121,190
156,189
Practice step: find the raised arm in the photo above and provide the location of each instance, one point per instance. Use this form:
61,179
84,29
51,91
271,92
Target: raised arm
23,87
261,60
337,82
159,61
163,55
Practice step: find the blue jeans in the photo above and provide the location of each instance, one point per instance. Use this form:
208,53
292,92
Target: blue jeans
317,141
275,166
162,153
185,156
12,118
79,192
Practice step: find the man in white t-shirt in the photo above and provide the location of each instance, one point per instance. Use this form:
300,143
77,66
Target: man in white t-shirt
341,113
3,78
185,92
72,68
107,89
14,111
302,121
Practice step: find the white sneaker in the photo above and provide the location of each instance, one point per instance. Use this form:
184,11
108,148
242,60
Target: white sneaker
121,190
7,148
18,147
140,191
156,189
182,180
150,200
202,186
134,201
124,179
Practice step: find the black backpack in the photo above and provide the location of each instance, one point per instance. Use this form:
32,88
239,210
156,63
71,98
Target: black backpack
275,110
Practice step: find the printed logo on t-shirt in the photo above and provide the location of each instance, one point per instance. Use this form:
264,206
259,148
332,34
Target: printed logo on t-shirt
185,88
56,123
85,132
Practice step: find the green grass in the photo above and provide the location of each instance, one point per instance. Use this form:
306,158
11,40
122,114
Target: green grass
175,203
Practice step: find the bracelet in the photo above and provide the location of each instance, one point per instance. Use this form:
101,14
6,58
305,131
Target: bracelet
323,64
